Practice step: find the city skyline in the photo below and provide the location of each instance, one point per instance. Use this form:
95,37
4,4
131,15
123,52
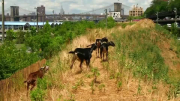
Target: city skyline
71,6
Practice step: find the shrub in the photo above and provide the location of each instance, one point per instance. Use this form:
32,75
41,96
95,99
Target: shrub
37,95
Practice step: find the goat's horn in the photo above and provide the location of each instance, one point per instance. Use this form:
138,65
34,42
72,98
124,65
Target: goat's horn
89,45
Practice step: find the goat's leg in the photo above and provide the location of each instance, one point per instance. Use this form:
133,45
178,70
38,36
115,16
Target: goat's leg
103,56
107,55
28,89
81,65
33,85
28,86
98,52
101,53
73,60
87,63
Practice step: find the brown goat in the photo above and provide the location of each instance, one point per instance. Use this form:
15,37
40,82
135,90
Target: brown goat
32,78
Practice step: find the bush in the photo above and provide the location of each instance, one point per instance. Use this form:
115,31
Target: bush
37,95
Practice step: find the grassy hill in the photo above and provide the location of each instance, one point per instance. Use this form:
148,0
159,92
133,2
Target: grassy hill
144,65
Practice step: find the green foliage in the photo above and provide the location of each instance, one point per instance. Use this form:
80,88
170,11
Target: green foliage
110,23
49,40
130,18
95,72
20,37
139,88
162,6
78,84
174,29
13,59
144,55
157,6
10,35
119,84
92,87
123,25
37,95
101,86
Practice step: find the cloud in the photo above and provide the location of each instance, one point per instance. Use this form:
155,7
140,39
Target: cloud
70,6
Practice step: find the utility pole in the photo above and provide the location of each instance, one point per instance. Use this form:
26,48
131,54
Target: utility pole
157,17
106,17
53,19
175,11
2,21
37,17
43,18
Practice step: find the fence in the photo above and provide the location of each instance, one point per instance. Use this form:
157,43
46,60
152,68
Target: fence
16,81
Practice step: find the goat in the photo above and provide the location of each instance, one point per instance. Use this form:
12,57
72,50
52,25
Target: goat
98,43
32,78
104,49
82,54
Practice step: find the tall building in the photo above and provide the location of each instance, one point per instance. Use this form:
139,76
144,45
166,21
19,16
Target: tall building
136,11
41,10
117,7
62,11
14,13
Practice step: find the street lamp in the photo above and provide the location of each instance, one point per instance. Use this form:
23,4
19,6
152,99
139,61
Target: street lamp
157,17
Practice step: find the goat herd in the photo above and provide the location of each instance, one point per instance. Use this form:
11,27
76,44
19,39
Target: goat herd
79,53
86,53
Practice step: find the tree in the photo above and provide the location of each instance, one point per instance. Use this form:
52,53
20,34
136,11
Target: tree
157,6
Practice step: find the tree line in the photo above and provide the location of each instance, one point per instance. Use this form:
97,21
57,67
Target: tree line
162,6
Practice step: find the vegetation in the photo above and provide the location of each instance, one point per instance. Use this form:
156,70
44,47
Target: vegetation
162,6
130,18
140,53
43,44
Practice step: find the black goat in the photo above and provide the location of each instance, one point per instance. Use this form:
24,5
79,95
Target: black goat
104,49
98,43
82,54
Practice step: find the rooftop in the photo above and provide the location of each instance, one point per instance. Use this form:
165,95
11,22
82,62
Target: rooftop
23,23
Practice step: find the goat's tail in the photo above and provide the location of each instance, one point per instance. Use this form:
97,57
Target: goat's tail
72,52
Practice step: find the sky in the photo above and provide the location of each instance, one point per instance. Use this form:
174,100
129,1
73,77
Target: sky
69,6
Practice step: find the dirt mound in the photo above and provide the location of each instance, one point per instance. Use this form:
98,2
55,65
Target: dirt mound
144,23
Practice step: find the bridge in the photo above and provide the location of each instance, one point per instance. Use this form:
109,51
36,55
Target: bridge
95,14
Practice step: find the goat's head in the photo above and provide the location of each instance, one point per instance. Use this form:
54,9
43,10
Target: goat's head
104,39
111,43
44,69
93,46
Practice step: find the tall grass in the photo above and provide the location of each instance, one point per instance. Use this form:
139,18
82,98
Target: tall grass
140,53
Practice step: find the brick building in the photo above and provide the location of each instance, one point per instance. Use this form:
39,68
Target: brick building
136,11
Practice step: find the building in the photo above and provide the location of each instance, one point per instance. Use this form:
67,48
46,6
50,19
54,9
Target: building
115,15
136,11
14,13
41,12
62,11
117,7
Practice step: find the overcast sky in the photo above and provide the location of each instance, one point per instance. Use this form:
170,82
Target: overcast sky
69,6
